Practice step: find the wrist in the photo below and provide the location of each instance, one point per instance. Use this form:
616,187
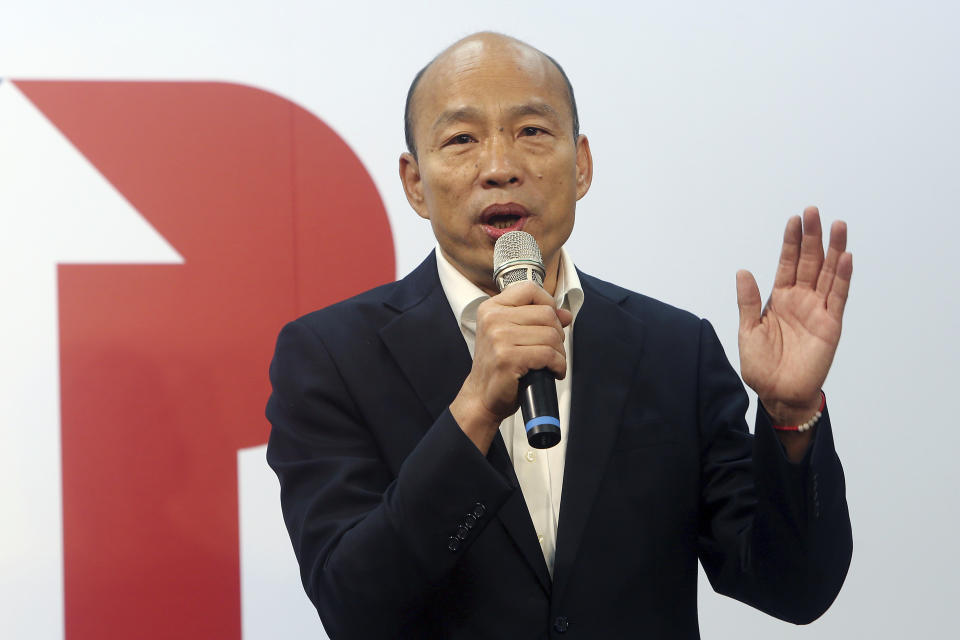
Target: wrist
478,423
788,418
789,415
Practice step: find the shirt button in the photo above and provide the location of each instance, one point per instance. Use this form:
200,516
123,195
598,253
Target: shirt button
561,624
531,456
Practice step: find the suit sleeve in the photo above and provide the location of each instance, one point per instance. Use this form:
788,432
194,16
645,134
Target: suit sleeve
372,547
773,534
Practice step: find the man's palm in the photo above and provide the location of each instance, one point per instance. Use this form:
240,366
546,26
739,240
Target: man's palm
786,349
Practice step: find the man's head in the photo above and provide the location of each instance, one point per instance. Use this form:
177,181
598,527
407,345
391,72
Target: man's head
492,128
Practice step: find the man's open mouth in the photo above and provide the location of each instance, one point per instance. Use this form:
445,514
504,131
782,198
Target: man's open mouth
501,218
503,222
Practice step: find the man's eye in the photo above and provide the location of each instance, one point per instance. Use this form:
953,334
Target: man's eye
531,131
463,138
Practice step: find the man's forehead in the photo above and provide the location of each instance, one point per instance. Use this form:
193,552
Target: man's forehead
459,66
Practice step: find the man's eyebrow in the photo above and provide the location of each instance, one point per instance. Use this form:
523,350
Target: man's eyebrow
533,109
455,115
473,113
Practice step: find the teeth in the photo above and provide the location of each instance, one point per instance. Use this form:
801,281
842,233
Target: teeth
504,223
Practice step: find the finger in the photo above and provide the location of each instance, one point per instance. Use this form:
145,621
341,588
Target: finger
789,254
540,357
565,317
497,320
492,313
811,249
837,299
524,293
531,336
538,315
838,244
748,299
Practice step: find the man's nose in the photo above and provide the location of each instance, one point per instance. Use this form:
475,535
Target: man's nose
499,165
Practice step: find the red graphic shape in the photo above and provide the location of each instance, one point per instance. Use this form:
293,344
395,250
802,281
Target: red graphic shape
164,368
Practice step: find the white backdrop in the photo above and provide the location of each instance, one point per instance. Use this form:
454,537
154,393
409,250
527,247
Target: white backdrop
709,126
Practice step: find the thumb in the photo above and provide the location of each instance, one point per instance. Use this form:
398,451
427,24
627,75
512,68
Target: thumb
748,299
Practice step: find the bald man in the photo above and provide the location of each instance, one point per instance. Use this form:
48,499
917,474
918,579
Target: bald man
414,504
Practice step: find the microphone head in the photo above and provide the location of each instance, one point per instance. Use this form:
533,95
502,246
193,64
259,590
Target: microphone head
516,257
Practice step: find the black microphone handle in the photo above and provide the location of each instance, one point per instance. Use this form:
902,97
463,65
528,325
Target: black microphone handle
538,404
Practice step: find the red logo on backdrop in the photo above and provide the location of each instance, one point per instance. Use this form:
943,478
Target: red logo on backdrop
164,368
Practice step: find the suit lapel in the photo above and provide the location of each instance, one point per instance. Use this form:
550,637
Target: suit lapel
426,342
427,345
606,350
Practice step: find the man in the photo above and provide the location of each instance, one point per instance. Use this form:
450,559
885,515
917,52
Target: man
413,505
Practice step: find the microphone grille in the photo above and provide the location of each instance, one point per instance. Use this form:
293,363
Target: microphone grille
515,245
516,257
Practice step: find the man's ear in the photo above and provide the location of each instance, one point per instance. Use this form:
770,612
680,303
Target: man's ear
584,166
413,184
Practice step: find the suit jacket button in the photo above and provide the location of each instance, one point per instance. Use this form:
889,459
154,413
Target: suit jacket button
453,544
479,510
561,624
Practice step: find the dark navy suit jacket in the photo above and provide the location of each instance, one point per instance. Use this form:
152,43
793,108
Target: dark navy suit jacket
403,529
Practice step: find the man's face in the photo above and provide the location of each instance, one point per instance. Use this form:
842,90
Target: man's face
495,153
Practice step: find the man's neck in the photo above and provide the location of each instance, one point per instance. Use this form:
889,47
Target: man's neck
552,274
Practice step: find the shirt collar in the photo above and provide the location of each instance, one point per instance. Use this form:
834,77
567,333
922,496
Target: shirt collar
464,296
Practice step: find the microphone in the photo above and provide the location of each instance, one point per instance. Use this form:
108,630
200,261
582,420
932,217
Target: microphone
516,257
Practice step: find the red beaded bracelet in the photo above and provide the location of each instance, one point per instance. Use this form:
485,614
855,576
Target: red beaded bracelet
809,423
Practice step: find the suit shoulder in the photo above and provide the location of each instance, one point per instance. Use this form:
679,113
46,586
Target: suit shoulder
359,316
365,313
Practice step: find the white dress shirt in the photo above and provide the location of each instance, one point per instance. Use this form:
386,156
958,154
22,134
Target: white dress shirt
540,471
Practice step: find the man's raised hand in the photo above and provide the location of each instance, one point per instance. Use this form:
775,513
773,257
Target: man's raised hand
787,347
